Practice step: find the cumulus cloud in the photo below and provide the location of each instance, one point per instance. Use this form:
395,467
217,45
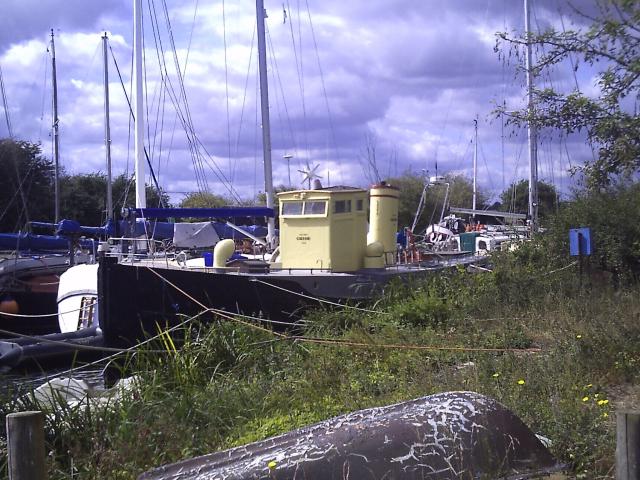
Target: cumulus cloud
411,75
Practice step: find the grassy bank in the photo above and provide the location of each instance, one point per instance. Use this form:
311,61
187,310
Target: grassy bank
563,356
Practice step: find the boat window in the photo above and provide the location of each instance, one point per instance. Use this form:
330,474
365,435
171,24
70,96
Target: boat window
291,208
359,205
315,208
342,206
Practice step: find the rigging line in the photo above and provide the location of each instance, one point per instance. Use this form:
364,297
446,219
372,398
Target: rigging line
324,88
159,90
486,165
160,111
12,149
166,81
163,95
145,88
183,94
246,89
278,94
298,60
5,104
256,132
184,72
132,116
211,163
226,89
44,95
274,62
17,192
197,157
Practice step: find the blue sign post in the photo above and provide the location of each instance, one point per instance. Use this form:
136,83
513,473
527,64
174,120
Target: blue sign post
580,242
580,245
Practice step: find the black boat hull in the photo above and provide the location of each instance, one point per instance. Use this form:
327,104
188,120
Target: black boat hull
134,300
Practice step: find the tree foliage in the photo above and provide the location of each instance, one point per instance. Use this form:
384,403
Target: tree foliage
614,218
83,197
26,185
610,120
516,198
27,190
203,200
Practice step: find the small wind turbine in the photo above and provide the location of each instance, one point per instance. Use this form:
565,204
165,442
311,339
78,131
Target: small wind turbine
309,173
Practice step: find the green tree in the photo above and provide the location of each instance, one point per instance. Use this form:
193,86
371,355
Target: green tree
516,198
203,200
83,197
610,120
26,185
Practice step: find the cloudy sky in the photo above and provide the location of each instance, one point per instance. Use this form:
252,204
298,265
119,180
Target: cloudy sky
403,78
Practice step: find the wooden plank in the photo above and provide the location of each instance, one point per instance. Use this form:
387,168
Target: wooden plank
25,444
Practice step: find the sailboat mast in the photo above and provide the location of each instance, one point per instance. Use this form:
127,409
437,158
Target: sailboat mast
107,127
138,111
475,166
56,141
531,130
264,106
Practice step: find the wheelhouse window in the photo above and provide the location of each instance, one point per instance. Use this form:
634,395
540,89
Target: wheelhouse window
359,205
292,208
342,206
315,208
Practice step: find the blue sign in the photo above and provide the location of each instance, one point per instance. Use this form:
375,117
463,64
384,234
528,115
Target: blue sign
580,241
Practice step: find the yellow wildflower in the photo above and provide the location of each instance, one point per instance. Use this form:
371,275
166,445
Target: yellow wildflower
495,375
578,337
520,382
605,414
271,464
603,402
585,399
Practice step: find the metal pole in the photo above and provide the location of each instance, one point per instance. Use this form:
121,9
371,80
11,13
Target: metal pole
628,445
531,131
288,157
56,143
475,166
107,128
138,110
261,14
25,446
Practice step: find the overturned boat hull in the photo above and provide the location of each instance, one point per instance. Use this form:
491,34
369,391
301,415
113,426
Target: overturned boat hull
454,435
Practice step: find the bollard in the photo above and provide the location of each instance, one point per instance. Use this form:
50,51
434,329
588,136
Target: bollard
25,445
628,445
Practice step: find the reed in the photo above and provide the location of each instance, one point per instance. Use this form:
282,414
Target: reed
561,356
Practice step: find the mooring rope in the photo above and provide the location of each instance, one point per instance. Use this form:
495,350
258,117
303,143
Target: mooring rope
320,300
24,315
349,343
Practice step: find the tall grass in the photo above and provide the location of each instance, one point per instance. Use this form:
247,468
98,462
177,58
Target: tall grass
563,356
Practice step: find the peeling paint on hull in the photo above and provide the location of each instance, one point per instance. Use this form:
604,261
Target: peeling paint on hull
454,435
